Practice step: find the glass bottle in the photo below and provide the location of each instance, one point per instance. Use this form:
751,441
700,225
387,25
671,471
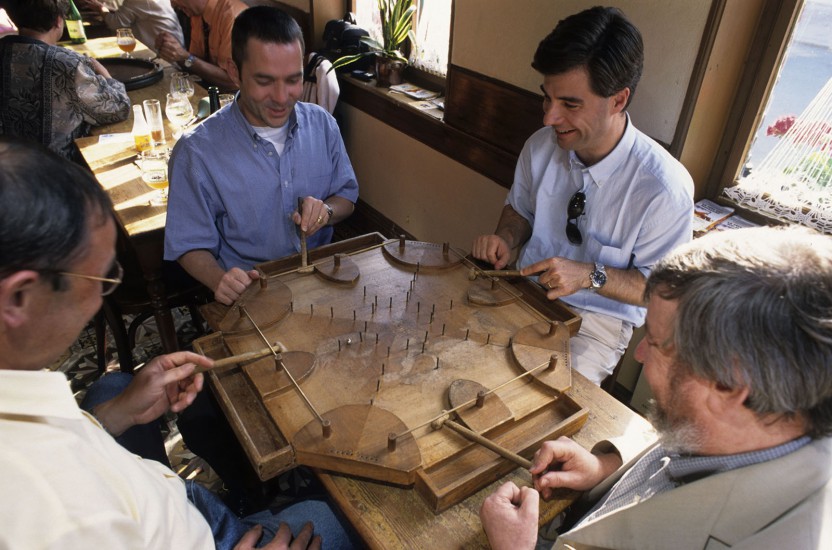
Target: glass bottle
141,131
75,25
213,99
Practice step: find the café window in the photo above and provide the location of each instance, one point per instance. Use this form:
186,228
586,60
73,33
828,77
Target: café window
787,172
432,27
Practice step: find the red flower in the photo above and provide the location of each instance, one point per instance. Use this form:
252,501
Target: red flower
780,126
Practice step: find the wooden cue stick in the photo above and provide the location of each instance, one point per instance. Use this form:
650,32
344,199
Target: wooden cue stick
240,358
487,443
304,253
501,273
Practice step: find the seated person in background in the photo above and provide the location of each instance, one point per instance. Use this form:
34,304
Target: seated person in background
236,178
595,202
737,352
66,482
209,54
147,18
51,94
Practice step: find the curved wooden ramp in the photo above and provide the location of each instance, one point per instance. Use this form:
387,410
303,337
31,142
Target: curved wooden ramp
266,302
535,345
358,444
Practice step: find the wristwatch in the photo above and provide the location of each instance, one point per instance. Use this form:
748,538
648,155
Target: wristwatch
330,212
189,62
598,277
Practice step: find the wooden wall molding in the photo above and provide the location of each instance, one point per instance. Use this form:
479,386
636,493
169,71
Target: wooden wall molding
486,121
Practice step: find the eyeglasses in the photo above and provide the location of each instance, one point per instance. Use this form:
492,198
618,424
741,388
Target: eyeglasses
108,283
574,210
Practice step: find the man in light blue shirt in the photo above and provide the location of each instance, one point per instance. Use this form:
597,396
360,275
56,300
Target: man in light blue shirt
595,202
236,179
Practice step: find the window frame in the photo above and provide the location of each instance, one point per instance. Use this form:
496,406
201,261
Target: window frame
776,26
420,77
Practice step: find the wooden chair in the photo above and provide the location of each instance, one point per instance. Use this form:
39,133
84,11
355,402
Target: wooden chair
132,298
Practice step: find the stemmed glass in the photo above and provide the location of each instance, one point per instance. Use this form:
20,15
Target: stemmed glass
179,111
181,83
126,41
154,164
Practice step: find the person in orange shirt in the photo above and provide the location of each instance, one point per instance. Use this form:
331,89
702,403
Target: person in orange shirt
209,52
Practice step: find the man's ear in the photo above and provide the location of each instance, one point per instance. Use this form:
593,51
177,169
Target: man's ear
17,295
619,100
723,400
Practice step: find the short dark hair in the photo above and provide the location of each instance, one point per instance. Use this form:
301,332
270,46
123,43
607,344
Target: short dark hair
38,15
45,204
603,41
754,309
265,23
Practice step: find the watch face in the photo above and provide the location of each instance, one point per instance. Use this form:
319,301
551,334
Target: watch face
598,278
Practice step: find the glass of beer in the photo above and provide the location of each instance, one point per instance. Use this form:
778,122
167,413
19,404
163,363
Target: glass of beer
154,164
126,41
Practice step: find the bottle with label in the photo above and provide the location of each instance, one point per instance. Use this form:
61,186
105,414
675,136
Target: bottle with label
141,131
213,99
74,25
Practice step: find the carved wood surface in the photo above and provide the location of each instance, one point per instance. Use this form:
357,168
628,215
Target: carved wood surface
378,357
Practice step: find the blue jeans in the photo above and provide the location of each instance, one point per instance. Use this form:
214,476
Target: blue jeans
228,529
147,442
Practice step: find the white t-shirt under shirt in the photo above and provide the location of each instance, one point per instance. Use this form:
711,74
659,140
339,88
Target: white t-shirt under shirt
277,136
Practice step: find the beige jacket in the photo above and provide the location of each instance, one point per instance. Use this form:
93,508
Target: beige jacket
782,503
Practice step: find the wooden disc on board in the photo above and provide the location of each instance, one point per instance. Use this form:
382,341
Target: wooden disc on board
266,305
536,345
270,379
424,255
340,269
492,413
489,292
357,444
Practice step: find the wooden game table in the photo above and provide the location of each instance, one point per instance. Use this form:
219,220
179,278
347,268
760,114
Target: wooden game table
391,514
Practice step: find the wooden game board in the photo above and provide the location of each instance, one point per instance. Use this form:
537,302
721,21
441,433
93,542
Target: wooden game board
379,341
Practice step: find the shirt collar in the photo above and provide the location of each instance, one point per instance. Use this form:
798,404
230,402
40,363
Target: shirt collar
687,468
37,393
604,169
237,114
11,38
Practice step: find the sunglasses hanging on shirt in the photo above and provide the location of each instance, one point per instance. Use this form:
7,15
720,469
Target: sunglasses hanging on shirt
574,210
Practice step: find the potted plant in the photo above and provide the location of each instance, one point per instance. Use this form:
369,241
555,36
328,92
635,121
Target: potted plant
396,26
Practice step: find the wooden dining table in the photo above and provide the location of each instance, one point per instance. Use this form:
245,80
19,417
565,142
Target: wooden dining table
111,155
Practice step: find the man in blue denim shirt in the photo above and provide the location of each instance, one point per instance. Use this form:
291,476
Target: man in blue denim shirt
236,179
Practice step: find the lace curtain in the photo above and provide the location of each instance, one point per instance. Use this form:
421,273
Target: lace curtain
794,181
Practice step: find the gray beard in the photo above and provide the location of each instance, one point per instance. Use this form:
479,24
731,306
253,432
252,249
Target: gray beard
676,435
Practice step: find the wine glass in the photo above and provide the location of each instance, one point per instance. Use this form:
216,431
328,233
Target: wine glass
154,164
179,111
181,83
126,41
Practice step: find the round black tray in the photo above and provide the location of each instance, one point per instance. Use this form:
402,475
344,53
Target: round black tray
134,73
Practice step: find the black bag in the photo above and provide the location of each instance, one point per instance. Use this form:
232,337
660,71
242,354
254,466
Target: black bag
342,37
